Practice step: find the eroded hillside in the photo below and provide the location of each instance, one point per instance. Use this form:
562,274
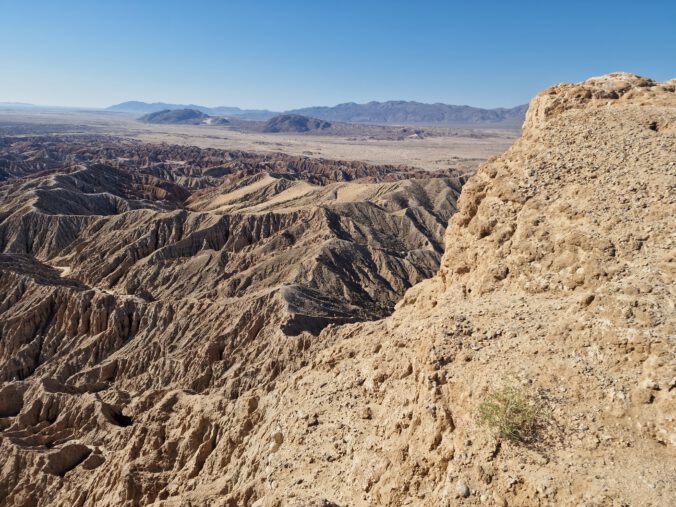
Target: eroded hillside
162,267
161,344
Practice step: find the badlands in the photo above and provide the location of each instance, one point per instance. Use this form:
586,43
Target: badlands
185,326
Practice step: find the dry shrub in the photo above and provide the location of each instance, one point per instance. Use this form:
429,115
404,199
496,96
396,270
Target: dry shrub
514,414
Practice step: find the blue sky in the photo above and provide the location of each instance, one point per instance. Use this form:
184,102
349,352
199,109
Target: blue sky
286,54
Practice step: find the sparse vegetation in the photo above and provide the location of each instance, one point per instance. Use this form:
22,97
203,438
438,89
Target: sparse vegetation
513,413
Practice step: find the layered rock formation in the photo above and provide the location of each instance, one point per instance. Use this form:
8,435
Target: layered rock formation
131,383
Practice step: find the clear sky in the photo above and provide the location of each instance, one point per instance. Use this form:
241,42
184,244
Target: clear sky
287,54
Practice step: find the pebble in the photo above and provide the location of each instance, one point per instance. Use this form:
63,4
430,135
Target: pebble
462,489
277,439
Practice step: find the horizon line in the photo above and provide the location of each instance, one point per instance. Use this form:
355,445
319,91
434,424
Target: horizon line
20,104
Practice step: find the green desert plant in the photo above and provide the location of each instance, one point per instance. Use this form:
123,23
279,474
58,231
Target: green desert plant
513,413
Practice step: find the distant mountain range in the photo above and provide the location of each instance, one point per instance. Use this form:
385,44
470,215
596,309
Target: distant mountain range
137,107
15,105
409,112
23,106
397,112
